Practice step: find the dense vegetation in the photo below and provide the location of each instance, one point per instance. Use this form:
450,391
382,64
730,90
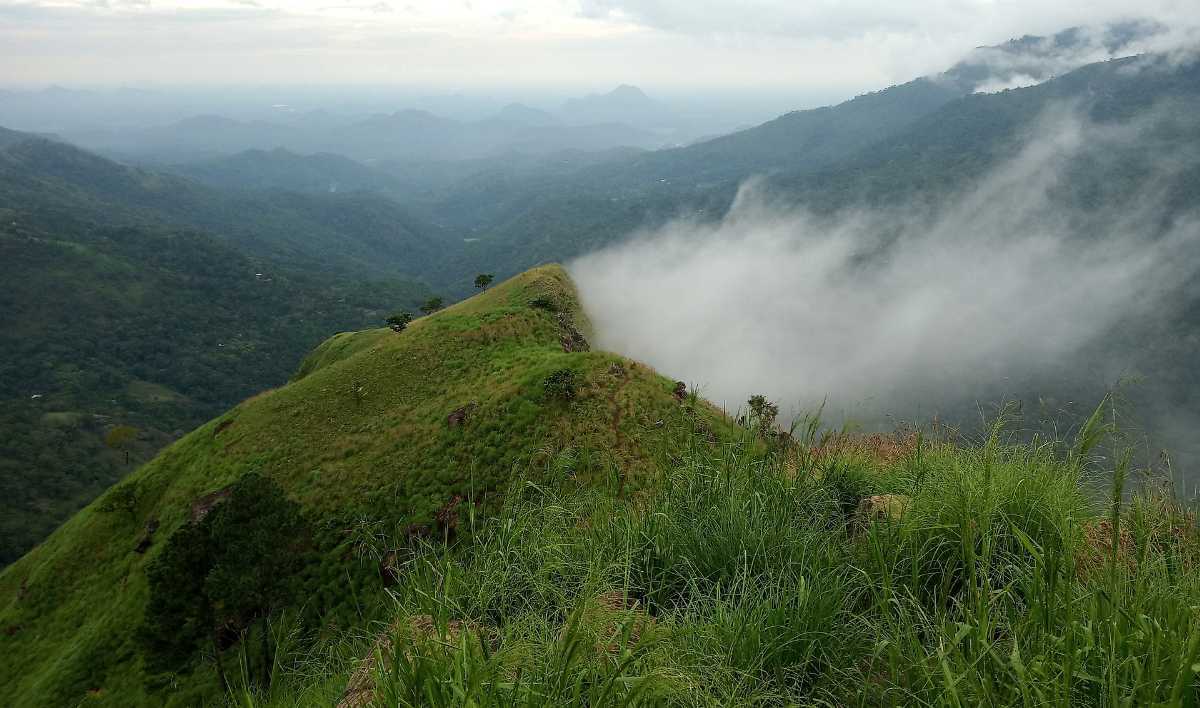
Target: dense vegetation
61,188
478,509
380,435
114,316
894,570
224,574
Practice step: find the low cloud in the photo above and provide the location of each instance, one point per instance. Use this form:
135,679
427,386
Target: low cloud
897,312
1030,61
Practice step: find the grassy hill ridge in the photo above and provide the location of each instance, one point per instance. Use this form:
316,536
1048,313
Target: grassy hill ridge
377,429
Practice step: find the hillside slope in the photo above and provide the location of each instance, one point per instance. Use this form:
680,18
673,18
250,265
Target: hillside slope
66,188
377,429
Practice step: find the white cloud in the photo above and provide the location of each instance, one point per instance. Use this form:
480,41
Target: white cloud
886,310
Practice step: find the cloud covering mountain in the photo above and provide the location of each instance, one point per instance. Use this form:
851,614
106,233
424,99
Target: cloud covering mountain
987,294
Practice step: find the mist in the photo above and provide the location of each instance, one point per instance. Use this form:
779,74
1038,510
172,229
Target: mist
905,312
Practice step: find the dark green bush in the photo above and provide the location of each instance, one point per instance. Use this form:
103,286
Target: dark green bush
561,385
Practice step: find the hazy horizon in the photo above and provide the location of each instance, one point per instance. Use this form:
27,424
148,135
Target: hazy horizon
568,47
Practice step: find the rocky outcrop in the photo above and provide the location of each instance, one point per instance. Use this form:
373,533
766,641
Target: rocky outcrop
572,339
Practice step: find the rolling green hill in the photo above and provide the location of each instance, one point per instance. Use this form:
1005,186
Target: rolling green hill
836,570
377,432
595,538
965,139
134,298
63,188
912,144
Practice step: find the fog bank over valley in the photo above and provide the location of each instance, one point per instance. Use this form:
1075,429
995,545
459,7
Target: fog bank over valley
906,312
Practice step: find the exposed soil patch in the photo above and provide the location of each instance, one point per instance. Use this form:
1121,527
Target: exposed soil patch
147,537
206,503
887,508
460,415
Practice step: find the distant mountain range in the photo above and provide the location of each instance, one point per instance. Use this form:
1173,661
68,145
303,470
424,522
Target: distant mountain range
624,104
407,135
524,115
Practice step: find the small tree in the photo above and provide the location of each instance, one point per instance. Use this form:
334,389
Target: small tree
763,413
483,280
399,321
432,305
121,438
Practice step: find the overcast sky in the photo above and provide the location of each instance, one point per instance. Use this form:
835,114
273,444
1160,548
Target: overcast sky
658,44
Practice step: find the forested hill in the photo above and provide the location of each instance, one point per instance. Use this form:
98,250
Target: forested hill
59,184
937,145
280,169
118,313
960,142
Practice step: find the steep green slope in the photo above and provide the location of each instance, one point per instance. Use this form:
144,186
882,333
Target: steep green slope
843,571
364,437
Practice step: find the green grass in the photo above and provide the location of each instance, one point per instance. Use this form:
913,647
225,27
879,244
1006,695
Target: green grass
744,579
613,545
361,440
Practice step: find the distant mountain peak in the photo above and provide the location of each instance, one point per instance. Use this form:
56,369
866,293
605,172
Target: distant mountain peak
624,104
624,92
524,115
628,91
